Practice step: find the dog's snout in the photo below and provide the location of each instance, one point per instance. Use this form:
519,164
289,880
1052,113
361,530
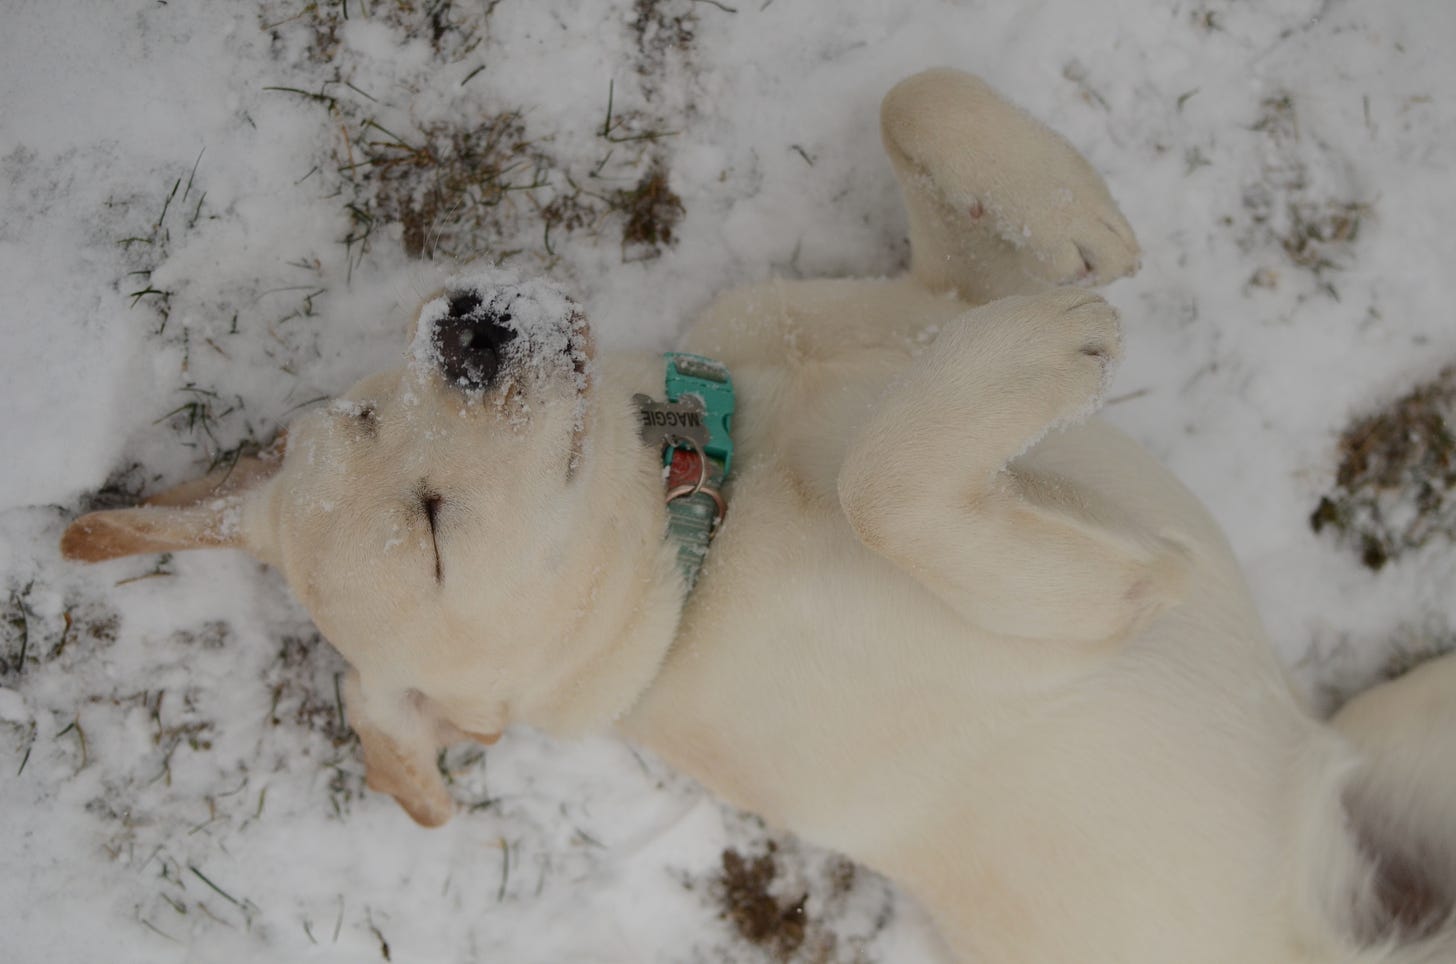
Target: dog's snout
471,339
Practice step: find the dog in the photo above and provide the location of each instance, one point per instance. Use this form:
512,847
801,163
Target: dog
949,624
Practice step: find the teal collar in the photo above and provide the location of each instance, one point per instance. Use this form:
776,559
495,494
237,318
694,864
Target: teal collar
694,429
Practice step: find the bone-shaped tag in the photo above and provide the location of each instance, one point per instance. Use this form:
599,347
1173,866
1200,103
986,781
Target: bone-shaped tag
680,421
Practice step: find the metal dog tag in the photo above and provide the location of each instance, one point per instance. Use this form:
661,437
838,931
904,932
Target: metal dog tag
680,421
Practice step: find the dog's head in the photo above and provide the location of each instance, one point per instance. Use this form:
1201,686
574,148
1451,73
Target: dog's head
443,523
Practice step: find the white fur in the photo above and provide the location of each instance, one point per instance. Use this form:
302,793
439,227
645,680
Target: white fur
948,628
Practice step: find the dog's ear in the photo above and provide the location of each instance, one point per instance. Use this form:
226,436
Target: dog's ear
400,737
128,532
204,513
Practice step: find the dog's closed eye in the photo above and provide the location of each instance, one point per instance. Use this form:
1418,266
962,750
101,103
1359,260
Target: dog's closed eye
367,419
430,503
362,416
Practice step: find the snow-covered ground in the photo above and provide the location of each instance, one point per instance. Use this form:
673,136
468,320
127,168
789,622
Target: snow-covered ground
207,221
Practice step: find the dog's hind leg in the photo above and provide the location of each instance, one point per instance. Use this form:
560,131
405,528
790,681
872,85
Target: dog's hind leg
998,203
1402,801
930,483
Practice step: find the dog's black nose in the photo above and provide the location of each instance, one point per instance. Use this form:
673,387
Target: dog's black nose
470,340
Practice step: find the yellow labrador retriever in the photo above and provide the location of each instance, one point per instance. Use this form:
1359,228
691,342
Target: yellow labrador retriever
949,626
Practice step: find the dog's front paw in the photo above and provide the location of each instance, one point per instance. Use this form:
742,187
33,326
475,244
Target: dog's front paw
992,186
1084,329
1093,326
1055,353
1057,216
1101,246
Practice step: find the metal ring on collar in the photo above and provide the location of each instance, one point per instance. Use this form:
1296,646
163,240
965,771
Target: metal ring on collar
687,443
687,491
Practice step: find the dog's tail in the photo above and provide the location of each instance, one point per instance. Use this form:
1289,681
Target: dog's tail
1401,802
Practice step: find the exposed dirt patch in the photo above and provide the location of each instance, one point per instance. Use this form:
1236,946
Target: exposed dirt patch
1395,487
793,906
761,918
651,211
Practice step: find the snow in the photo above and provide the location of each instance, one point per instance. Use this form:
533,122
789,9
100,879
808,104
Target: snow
183,274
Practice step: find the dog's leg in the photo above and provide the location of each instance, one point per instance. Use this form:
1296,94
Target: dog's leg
998,203
926,483
1402,801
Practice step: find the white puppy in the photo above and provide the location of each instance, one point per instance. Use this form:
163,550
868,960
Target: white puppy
948,627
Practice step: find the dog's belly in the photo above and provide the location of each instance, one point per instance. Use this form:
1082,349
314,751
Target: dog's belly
808,670
828,692
826,689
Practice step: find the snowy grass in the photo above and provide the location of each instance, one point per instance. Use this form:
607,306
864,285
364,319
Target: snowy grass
215,216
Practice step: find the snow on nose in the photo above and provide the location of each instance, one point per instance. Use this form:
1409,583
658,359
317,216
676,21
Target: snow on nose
491,326
470,340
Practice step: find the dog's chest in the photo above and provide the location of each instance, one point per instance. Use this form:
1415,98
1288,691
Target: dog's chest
795,423
793,612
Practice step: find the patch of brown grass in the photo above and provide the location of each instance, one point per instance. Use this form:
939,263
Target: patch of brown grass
29,640
650,210
661,28
448,187
452,31
791,909
305,681
1315,231
482,185
1395,487
1317,234
744,887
